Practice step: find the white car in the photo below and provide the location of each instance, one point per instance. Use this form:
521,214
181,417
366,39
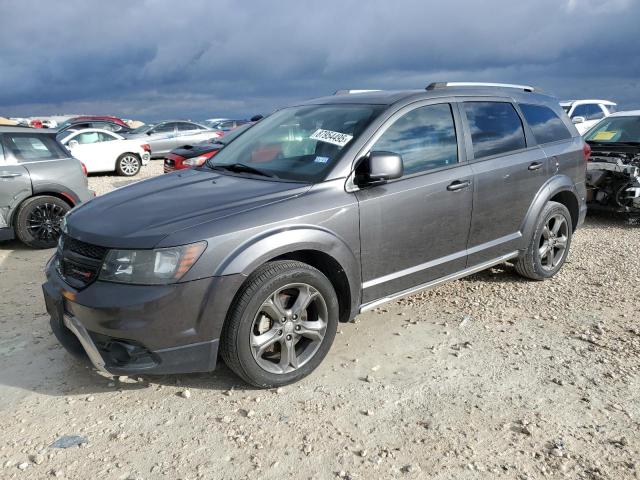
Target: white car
586,113
106,151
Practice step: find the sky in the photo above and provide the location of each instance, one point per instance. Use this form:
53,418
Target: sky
198,59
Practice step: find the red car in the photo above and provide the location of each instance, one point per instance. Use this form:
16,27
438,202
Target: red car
190,156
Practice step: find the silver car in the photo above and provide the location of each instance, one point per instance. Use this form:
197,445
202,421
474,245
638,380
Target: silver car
39,183
169,135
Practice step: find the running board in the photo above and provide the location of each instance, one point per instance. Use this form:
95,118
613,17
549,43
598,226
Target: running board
439,281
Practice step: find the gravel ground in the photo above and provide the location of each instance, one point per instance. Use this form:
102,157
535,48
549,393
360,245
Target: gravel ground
486,377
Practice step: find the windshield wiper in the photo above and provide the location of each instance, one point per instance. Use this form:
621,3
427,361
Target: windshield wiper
241,167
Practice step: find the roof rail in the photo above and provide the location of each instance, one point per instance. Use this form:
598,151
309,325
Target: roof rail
436,85
348,92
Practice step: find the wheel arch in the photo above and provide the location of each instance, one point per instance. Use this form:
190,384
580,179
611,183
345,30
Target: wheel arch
68,197
557,189
312,245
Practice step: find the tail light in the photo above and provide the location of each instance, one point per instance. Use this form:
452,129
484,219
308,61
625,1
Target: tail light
146,147
84,169
586,151
199,161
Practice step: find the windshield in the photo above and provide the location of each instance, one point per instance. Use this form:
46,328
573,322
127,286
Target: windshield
298,143
615,129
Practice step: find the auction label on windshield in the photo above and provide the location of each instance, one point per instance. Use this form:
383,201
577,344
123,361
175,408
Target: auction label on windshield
328,136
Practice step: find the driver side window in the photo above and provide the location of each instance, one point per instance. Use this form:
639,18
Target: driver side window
425,138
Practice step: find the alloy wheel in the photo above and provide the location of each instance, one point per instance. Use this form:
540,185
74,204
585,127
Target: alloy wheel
289,328
129,165
553,241
44,221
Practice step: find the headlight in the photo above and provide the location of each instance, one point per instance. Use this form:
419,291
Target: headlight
150,267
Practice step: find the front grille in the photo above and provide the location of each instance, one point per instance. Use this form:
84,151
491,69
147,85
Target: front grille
169,165
83,248
79,262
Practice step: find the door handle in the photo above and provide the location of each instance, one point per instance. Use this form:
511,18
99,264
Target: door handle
535,165
9,175
458,185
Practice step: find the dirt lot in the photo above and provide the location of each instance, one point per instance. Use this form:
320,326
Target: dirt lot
486,377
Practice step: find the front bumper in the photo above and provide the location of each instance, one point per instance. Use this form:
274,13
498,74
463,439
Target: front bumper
135,329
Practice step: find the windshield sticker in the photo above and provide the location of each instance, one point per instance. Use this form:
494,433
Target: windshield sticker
321,159
604,135
328,136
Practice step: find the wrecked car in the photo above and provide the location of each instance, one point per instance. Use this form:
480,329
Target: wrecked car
613,170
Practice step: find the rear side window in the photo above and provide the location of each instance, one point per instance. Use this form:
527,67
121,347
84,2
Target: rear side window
28,147
424,137
495,127
545,124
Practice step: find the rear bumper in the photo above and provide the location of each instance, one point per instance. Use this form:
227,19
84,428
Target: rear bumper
133,329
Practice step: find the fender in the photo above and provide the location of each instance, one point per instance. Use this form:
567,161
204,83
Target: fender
40,188
553,186
273,243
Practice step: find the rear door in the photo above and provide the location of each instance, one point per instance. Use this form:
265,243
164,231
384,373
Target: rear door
552,134
189,133
163,138
509,169
414,229
15,185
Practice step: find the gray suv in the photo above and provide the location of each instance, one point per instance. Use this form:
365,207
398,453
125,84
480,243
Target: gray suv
317,213
39,184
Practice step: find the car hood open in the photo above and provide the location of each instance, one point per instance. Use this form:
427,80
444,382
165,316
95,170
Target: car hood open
141,214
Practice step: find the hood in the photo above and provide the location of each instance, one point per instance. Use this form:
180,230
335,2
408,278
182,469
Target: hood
190,151
141,214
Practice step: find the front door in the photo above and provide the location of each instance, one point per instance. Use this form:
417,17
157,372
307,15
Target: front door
414,229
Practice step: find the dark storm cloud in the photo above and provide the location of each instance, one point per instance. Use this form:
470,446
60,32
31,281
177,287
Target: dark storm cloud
154,58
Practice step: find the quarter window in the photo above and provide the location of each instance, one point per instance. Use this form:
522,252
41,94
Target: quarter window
545,124
495,127
589,111
424,137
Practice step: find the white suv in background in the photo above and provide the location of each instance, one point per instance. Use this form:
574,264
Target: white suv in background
586,113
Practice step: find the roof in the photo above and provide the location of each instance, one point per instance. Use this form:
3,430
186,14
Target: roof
18,129
628,113
566,103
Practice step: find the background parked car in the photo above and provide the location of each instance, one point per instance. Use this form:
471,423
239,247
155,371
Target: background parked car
104,123
168,135
39,183
190,156
613,171
586,113
105,151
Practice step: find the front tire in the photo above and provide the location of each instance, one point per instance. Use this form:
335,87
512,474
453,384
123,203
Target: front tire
128,164
549,245
38,220
281,325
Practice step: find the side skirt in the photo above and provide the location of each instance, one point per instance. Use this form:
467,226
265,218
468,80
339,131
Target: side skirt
434,283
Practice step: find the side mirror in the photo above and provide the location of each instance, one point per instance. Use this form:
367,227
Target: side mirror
73,144
379,167
578,119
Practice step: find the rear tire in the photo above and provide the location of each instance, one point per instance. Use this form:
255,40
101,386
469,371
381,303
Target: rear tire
128,164
37,222
281,325
549,245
